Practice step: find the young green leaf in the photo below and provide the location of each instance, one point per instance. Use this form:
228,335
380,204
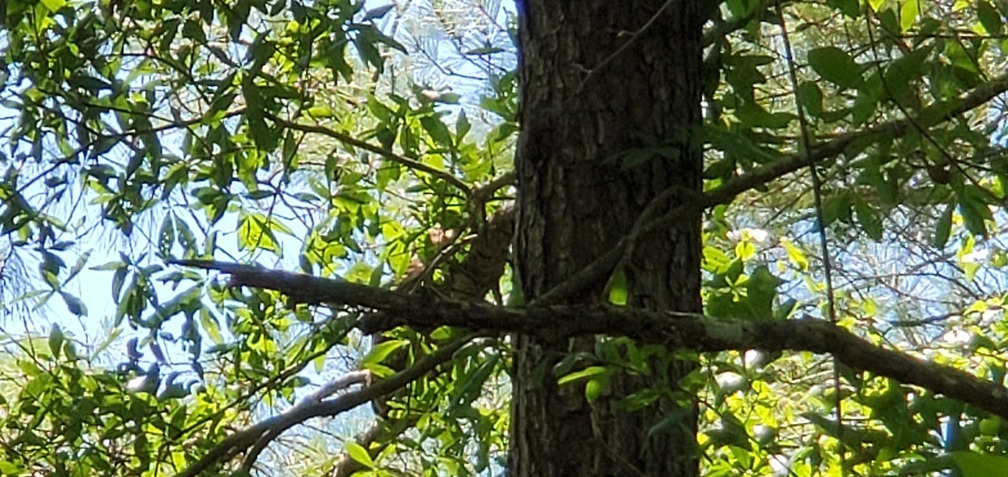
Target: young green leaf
359,454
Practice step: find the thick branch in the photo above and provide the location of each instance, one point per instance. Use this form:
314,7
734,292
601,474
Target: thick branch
603,266
675,330
466,279
319,395
471,278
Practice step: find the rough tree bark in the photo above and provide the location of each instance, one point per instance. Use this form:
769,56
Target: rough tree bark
601,79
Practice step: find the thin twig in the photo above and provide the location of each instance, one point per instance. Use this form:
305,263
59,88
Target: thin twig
633,37
817,198
381,151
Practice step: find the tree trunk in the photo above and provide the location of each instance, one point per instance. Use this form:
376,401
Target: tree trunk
601,79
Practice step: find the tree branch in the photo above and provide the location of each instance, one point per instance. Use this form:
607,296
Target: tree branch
317,396
346,466
484,193
276,425
381,151
673,329
691,331
603,266
466,279
927,118
726,27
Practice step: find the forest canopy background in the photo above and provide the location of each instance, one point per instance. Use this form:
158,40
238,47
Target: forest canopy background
372,144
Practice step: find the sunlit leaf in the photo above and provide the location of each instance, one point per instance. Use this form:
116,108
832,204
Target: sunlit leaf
358,453
590,371
618,289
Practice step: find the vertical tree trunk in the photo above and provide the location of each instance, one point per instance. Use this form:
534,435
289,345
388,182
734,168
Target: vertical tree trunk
600,79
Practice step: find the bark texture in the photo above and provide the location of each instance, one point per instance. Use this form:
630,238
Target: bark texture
610,92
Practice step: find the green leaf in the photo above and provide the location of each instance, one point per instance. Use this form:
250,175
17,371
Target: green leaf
484,50
381,350
166,236
673,420
738,146
868,218
740,8
437,130
473,384
944,227
54,5
835,66
753,115
973,464
378,12
194,31
462,126
974,209
74,305
761,290
210,326
110,338
989,17
867,101
10,468
850,8
618,292
595,387
745,250
590,371
909,11
795,254
836,208
55,340
811,97
255,232
901,74
715,260
359,454
516,298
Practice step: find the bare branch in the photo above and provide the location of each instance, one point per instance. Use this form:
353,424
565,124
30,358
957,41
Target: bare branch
483,193
273,427
323,392
336,385
479,272
685,331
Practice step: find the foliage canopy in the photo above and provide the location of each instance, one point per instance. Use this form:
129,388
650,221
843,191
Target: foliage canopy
372,144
